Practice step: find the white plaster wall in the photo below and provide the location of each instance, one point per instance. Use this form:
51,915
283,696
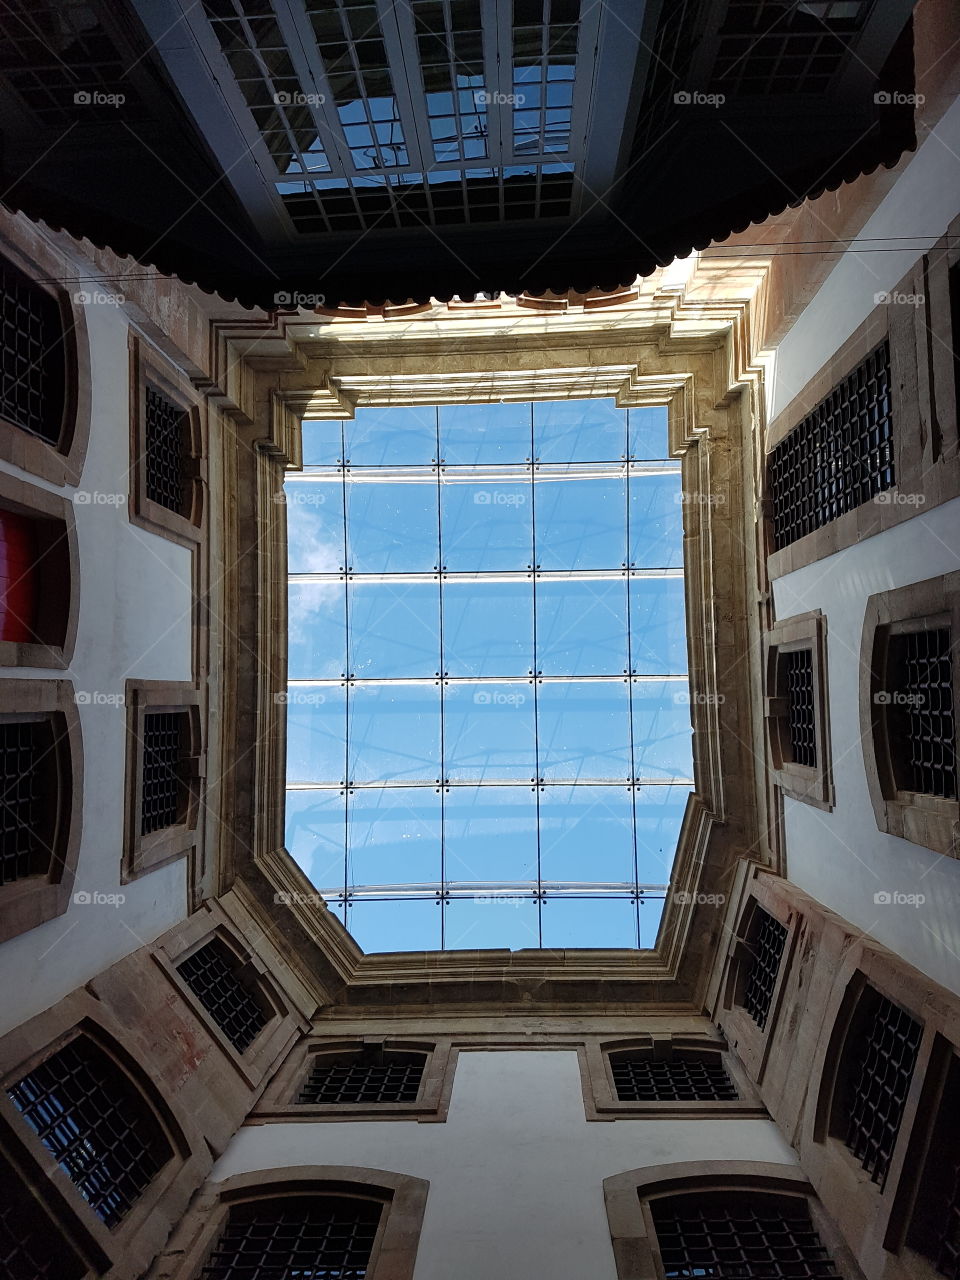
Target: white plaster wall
840,858
134,621
516,1172
919,206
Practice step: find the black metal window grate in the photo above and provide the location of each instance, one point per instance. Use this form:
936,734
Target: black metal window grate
211,974
362,1081
801,721
94,1121
165,450
310,1237
161,791
879,1084
839,457
32,361
766,951
677,1079
25,803
922,729
30,1246
775,1243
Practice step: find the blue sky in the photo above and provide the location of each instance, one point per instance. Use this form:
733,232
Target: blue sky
489,738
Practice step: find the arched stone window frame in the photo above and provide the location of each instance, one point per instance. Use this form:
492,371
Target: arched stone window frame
60,464
628,1196
131,1245
394,1254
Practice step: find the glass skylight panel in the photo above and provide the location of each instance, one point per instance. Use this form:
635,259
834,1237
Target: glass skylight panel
545,36
488,712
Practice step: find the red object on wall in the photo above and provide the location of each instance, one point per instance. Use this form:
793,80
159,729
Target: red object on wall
18,577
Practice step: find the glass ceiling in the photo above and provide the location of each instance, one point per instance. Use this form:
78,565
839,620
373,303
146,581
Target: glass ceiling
489,739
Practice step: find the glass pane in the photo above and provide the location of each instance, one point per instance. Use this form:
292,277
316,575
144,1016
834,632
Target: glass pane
394,733
394,629
492,920
486,525
315,835
488,628
317,635
651,913
586,834
660,813
394,836
316,723
658,626
485,433
581,524
321,444
489,732
648,432
579,431
385,437
395,926
490,834
393,527
656,522
589,922
581,627
584,730
662,735
314,526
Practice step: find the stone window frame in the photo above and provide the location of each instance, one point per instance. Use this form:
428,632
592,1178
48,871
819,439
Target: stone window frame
145,853
800,782
752,1043
32,501
27,903
628,1196
930,821
130,1245
283,1023
835,1171
432,1103
60,464
600,1096
926,470
147,366
398,1235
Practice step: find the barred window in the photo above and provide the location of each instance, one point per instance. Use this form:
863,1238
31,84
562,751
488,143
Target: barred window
839,457
742,1235
33,363
879,1055
162,789
679,1078
165,444
918,707
212,974
935,1227
371,1075
319,1237
801,716
96,1123
31,1246
29,799
765,947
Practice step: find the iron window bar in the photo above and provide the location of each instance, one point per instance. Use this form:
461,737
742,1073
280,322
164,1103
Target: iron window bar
212,974
31,1247
921,722
740,1241
32,362
679,1078
316,1237
27,798
165,446
766,952
97,1125
801,717
163,763
372,1075
879,1084
838,457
